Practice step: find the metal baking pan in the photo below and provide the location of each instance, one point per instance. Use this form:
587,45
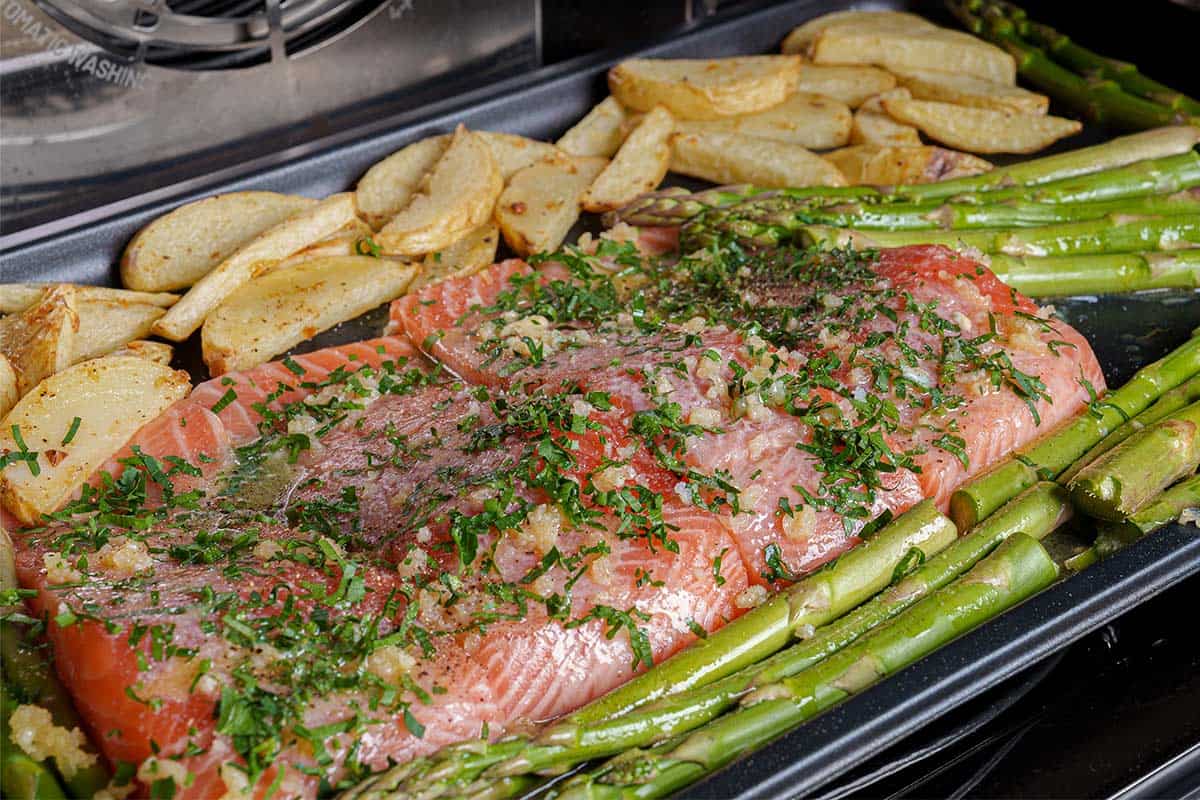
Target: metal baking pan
1125,332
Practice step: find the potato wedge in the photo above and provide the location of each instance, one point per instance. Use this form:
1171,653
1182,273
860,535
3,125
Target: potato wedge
461,194
467,256
981,130
846,83
801,38
356,239
639,166
729,158
16,297
872,125
808,120
388,186
275,244
181,247
697,89
542,202
599,133
890,166
107,325
8,386
513,153
272,313
158,352
938,48
111,397
40,341
965,90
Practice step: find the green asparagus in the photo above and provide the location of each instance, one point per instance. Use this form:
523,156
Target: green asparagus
1016,570
1163,510
1098,274
1125,478
1049,457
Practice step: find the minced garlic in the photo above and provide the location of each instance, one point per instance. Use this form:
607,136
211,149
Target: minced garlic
157,769
32,729
58,570
125,557
390,663
751,597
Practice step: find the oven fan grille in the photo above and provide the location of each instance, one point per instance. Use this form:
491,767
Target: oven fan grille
209,34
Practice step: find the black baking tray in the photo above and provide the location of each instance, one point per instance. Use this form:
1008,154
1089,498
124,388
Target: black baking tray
1125,332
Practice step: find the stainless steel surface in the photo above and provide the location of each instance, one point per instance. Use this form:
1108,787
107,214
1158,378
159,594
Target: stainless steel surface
103,99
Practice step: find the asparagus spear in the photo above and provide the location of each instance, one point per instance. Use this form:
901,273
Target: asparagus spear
1182,395
21,776
1088,63
1111,234
796,612
1052,455
1037,512
1098,274
1018,568
1163,510
1125,478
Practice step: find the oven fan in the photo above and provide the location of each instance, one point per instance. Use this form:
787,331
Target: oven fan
209,34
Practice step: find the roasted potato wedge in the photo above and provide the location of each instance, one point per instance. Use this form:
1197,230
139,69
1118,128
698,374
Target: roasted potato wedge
513,153
952,51
387,187
730,158
8,386
981,130
180,248
467,256
111,397
847,83
107,325
801,39
599,133
965,90
639,166
808,120
697,89
872,125
40,340
273,312
890,166
461,194
542,202
353,240
16,297
275,244
158,352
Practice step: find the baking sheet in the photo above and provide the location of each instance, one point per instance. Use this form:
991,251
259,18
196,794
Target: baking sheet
1125,332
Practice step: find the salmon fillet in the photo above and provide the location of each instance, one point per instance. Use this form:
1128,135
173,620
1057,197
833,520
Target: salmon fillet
585,464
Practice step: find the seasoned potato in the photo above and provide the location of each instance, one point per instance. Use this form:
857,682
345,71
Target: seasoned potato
513,152
800,40
542,202
158,352
16,297
872,125
388,186
981,130
846,83
461,194
696,89
275,244
181,247
639,166
468,255
8,386
965,90
273,312
353,240
808,120
40,340
597,134
890,166
111,397
106,325
728,158
952,51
